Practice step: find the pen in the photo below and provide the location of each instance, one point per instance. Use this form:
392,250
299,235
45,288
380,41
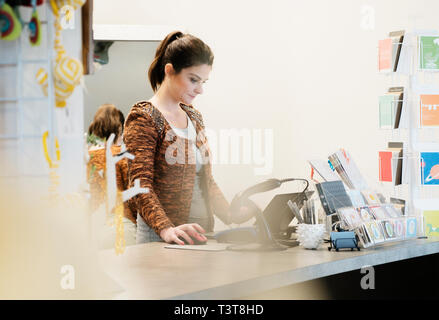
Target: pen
293,207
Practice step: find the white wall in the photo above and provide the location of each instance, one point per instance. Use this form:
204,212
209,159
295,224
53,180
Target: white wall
123,81
305,69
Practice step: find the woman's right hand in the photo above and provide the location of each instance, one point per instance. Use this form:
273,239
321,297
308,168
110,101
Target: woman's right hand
184,231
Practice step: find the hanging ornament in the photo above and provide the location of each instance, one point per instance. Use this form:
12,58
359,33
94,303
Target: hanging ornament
68,71
10,26
34,26
42,80
52,163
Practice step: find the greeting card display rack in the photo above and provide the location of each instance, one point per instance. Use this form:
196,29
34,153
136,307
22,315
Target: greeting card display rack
417,80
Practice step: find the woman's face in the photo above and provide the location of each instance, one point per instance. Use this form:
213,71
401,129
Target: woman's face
187,84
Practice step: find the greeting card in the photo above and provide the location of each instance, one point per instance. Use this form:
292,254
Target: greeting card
399,228
385,55
429,52
411,227
429,110
431,221
430,168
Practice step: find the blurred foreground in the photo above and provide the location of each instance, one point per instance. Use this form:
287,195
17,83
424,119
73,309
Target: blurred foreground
46,245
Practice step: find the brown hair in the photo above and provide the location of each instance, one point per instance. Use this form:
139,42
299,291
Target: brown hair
107,120
182,51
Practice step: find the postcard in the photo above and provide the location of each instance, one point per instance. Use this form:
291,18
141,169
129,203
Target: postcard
431,221
428,52
411,227
375,232
387,111
430,168
429,110
399,227
388,229
385,55
385,166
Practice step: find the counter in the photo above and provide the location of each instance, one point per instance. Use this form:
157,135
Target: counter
150,271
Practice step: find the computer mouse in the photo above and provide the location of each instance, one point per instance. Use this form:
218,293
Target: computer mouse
196,241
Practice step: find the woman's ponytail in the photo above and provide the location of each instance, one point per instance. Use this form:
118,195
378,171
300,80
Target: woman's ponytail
156,72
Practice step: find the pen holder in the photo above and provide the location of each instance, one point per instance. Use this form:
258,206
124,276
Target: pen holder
310,236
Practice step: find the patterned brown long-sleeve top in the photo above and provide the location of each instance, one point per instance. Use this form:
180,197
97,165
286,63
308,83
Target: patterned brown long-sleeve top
166,165
96,177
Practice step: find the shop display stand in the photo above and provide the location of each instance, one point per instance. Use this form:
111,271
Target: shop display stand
385,225
19,137
416,139
419,139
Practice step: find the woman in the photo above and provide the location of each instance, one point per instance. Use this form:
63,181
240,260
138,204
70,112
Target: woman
107,120
172,158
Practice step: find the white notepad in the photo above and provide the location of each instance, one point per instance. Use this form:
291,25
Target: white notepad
200,247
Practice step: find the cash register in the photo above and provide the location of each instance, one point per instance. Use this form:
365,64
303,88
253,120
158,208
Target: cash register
271,231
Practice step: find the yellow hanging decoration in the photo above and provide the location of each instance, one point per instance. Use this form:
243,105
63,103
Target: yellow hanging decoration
42,80
53,175
68,71
46,151
118,221
74,200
